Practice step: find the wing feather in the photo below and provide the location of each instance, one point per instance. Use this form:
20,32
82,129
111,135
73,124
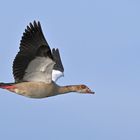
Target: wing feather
35,61
33,44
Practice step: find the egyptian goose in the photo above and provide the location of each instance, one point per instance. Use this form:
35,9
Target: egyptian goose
36,68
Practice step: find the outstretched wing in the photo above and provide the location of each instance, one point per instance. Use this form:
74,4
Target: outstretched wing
58,69
34,61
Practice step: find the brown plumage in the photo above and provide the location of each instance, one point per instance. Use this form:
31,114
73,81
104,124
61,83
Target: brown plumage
36,68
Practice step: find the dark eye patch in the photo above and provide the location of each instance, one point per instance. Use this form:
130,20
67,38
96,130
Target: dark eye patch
83,86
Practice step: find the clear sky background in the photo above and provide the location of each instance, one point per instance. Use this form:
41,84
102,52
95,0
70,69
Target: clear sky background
99,41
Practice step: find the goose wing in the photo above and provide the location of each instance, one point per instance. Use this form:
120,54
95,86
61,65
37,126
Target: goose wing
58,69
34,61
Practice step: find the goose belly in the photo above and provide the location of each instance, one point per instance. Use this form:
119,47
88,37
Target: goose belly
35,89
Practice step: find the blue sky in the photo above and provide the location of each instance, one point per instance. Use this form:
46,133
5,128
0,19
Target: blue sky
100,44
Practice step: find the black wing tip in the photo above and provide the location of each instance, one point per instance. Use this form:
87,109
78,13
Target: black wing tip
33,26
55,50
34,23
57,59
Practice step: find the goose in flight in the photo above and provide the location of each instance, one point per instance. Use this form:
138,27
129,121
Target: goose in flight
36,68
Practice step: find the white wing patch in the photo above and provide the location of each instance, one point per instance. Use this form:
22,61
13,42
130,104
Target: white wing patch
56,74
39,70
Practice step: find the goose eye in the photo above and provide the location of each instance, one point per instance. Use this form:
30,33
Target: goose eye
83,86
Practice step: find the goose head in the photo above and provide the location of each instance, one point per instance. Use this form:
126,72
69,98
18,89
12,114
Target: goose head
84,89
